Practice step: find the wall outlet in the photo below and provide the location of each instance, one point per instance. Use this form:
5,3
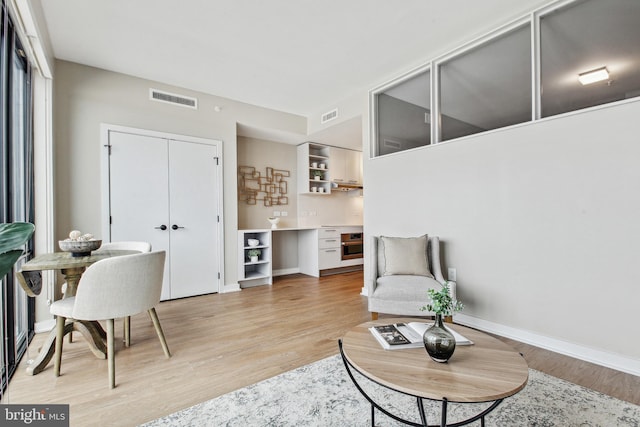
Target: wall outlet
451,274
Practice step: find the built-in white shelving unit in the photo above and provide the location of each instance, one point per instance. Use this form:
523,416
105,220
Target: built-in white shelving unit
314,159
253,273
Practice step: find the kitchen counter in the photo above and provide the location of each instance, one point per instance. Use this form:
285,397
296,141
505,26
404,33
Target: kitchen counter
258,230
307,250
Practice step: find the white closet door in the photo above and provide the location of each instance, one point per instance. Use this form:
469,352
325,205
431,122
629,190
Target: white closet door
139,193
193,216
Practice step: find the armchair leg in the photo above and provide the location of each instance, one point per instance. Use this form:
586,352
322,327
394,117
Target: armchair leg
156,323
60,321
374,315
111,354
127,331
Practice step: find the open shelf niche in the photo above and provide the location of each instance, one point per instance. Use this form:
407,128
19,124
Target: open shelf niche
254,273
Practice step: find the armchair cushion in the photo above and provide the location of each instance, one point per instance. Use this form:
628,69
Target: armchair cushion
402,294
403,256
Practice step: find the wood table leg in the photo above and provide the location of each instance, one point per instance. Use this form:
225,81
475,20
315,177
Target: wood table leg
46,352
94,335
92,332
72,277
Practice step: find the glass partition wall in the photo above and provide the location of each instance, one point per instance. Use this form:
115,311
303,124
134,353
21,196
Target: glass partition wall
404,114
584,37
487,87
531,69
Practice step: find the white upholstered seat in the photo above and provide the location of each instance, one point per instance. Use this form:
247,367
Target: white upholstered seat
109,289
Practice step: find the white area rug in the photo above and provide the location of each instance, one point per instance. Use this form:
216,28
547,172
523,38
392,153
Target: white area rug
322,394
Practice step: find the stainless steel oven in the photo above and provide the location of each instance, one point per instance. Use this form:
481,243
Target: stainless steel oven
351,245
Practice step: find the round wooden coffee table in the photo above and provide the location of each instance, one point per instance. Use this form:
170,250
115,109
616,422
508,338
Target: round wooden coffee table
487,371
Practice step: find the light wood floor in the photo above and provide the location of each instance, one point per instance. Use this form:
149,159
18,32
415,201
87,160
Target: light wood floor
223,342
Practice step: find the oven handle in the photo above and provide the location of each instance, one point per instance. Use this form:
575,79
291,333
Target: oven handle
352,243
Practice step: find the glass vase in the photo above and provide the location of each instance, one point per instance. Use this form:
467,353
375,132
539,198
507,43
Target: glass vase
438,341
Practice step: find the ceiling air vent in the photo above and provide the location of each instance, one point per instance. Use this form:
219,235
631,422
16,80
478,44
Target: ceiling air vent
326,117
172,98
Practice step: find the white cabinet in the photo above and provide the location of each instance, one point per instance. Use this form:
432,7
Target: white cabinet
346,166
167,192
329,248
319,249
314,168
253,272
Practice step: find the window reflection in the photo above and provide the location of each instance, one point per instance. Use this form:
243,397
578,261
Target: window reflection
404,119
583,36
487,87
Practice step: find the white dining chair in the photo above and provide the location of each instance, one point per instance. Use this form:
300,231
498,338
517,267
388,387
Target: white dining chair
110,289
126,245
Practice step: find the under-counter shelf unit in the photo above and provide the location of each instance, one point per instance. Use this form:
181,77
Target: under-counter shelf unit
254,273
314,160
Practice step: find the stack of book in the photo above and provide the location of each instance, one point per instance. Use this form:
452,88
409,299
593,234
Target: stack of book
408,335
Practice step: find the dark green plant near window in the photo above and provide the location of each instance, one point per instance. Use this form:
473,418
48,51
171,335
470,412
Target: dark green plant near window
13,236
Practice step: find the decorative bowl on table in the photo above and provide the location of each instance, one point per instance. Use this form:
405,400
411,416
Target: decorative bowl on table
79,248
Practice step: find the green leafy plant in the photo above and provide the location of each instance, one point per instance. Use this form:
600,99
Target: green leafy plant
317,173
441,302
13,236
254,252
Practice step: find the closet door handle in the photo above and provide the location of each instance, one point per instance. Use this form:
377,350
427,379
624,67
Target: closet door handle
162,227
175,227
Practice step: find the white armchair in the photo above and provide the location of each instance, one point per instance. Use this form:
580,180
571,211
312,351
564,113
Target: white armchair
404,270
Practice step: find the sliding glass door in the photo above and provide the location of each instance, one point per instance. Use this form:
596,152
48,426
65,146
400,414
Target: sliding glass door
16,189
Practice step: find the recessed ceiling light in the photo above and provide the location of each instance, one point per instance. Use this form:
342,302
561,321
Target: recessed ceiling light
597,75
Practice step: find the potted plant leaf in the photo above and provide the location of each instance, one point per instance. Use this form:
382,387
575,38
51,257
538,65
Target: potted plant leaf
317,175
13,236
254,254
438,341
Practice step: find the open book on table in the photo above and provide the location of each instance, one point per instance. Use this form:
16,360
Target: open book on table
408,335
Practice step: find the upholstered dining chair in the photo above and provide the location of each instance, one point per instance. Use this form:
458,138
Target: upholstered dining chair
113,288
141,247
126,246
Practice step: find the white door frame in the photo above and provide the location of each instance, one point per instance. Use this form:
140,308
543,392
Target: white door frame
106,128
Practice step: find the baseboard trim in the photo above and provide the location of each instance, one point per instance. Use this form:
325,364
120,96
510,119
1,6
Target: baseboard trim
44,326
285,271
230,287
588,354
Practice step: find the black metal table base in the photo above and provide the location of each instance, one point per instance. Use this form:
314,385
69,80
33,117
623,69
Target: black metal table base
423,418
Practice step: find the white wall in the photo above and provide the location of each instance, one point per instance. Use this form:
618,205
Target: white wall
261,154
541,222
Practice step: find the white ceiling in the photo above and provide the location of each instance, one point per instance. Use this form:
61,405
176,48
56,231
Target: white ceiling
297,56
